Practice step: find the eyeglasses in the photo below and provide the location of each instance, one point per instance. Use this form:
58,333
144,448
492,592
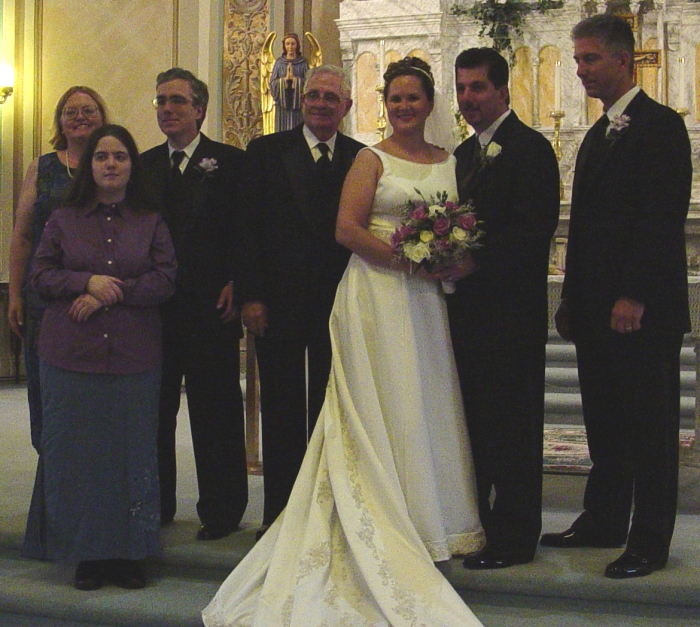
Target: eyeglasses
89,111
328,97
176,101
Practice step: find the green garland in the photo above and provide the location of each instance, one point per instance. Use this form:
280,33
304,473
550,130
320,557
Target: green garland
501,19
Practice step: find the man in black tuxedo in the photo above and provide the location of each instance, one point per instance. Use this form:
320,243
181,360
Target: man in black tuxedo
625,303
498,313
198,182
294,266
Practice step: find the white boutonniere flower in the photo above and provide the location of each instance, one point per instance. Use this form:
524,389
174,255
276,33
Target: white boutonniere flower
489,153
617,127
206,167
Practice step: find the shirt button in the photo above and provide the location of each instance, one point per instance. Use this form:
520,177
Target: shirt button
109,263
109,241
105,335
106,308
109,218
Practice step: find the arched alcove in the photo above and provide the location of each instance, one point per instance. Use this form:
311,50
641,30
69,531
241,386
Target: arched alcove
366,102
522,88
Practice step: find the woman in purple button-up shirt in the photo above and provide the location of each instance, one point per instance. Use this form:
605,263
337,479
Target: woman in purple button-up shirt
105,262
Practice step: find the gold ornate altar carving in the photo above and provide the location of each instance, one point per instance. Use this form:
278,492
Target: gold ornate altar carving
245,28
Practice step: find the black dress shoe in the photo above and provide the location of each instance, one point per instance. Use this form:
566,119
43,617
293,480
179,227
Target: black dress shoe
490,559
577,538
129,574
261,532
215,531
89,575
631,564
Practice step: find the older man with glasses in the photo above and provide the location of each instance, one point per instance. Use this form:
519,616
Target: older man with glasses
293,266
198,182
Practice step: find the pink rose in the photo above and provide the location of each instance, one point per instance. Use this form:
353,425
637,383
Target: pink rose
441,226
451,206
443,244
467,221
419,213
405,231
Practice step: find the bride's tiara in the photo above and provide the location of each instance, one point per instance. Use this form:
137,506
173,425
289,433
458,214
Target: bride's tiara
428,74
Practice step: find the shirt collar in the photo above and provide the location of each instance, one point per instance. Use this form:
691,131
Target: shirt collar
95,207
486,136
189,149
619,107
312,140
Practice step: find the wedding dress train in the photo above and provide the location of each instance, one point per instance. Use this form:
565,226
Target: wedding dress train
386,487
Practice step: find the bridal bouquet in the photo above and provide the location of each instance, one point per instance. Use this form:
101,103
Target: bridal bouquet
436,233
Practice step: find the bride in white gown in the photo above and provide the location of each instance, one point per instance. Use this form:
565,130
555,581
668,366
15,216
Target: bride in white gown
386,487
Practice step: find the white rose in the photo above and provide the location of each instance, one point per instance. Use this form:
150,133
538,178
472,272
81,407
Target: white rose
433,210
493,150
459,234
427,236
417,252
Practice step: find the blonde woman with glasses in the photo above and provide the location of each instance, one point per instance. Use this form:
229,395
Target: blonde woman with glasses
79,111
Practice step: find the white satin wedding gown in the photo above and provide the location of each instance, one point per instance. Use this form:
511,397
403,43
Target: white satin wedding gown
386,487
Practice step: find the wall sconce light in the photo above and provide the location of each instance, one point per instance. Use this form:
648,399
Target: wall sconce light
7,81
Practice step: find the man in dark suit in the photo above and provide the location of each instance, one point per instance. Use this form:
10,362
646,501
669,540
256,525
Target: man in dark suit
625,303
198,181
498,313
294,266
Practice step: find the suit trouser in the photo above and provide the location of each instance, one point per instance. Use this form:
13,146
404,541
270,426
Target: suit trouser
503,393
211,369
283,405
630,390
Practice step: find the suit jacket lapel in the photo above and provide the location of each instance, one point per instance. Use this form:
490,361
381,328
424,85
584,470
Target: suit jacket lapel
587,171
468,173
297,161
196,179
161,172
499,137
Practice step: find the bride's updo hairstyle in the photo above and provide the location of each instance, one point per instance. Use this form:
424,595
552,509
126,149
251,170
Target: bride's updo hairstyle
411,66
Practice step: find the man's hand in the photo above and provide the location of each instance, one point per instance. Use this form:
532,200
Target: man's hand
107,289
454,273
254,316
563,322
225,303
83,307
627,315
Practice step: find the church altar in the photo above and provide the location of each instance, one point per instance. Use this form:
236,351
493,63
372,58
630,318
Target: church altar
545,91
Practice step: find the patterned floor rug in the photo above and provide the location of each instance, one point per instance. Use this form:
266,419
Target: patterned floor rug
566,449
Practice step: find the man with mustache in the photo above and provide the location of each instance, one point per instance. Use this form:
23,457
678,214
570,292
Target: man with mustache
498,313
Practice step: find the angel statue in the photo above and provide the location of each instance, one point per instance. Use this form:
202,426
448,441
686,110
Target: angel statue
282,81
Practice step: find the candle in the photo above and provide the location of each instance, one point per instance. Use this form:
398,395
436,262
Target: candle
557,86
681,83
382,54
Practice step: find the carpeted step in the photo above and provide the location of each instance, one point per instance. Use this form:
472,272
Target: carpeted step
33,593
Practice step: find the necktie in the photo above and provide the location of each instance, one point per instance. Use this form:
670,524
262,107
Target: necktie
324,162
465,187
177,157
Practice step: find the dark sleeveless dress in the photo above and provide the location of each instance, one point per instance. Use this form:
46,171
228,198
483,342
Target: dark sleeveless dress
51,186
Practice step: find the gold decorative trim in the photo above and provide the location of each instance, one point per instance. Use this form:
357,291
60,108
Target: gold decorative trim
38,52
245,30
647,58
176,32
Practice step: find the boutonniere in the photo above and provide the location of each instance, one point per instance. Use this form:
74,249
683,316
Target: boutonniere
489,153
206,167
617,127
